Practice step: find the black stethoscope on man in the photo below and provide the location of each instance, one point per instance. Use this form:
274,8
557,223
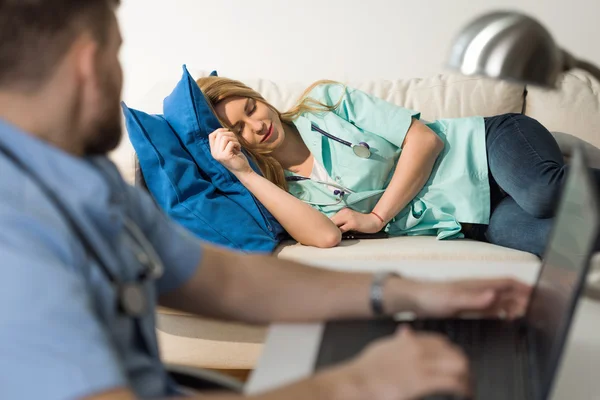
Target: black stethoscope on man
132,298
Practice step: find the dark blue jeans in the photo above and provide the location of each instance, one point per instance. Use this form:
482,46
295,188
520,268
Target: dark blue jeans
527,173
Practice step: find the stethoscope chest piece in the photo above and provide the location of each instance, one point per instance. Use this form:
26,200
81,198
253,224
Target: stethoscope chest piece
133,302
362,150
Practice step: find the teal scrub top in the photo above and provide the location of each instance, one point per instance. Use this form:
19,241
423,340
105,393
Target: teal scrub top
457,191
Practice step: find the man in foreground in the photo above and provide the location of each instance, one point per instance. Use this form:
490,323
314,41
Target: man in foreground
80,250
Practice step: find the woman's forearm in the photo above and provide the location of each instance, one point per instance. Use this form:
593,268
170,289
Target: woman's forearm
305,224
419,153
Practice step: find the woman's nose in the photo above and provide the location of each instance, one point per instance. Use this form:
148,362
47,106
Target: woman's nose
257,126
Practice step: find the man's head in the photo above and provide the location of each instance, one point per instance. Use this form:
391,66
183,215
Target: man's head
66,52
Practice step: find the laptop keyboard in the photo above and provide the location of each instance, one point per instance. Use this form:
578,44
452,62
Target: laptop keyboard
495,350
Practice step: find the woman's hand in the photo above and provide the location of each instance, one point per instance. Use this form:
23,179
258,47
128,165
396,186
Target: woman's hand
350,220
226,149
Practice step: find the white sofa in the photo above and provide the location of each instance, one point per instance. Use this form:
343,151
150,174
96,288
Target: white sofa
574,108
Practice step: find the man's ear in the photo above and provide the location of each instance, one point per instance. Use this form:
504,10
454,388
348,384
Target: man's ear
85,53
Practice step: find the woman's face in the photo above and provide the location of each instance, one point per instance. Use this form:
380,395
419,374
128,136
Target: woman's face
253,120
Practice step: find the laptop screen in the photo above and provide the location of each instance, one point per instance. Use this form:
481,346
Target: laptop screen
563,271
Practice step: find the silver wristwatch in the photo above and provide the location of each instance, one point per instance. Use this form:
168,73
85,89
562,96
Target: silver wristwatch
376,294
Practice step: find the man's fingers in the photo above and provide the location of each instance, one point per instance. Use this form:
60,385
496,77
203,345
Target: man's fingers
448,384
451,360
452,364
433,343
499,284
473,300
405,330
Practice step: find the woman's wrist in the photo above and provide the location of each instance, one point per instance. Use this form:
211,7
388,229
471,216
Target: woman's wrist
382,221
245,176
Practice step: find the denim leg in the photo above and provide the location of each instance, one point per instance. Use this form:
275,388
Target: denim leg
511,226
526,162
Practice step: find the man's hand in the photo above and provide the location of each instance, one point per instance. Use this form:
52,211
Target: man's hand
409,366
504,298
350,220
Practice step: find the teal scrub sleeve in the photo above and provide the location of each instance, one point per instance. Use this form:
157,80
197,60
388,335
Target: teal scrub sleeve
367,112
52,342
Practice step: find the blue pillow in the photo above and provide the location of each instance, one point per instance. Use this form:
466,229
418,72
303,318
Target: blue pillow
188,183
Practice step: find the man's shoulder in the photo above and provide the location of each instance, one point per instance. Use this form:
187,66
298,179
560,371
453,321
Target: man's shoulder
28,220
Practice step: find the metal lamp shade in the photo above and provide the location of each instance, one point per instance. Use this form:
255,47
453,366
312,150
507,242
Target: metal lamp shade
508,46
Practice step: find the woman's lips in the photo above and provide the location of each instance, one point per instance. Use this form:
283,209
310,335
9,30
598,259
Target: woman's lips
269,133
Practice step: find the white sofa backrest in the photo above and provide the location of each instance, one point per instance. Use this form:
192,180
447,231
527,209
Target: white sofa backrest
574,108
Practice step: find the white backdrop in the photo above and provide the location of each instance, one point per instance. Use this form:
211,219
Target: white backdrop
306,40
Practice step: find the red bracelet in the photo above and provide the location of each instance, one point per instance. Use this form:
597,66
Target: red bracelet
378,217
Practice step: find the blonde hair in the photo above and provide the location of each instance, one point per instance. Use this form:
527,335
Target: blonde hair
217,89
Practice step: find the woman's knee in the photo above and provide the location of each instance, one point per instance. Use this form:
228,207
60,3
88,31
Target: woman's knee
511,226
540,200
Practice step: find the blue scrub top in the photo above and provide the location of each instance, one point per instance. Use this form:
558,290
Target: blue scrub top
61,336
457,190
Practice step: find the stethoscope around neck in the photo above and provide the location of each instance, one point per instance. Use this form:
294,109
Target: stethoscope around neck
132,298
339,190
361,150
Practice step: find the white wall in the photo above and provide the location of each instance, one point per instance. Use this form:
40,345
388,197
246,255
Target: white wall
313,39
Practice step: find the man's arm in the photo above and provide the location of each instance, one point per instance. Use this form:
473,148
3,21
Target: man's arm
261,289
403,366
329,385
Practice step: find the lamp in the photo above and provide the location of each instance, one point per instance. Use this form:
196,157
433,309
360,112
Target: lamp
512,46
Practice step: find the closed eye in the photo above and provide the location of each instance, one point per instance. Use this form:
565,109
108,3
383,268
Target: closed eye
251,107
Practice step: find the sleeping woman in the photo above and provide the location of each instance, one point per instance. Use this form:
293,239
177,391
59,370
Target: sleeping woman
343,160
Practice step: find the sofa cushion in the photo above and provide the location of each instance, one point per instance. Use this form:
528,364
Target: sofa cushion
194,341
405,248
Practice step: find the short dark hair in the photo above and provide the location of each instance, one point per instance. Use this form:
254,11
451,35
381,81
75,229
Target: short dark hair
36,34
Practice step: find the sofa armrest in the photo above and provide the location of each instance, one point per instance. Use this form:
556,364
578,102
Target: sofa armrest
567,142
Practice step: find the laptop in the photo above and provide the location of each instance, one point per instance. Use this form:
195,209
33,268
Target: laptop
509,359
